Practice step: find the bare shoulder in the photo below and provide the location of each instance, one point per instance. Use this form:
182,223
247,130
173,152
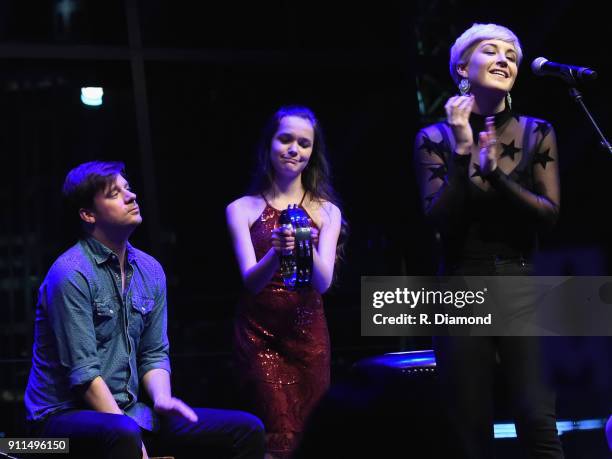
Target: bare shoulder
323,212
246,208
330,209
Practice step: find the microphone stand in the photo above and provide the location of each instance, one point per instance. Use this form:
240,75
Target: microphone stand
577,96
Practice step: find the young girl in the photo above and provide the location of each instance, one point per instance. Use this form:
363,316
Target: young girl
281,337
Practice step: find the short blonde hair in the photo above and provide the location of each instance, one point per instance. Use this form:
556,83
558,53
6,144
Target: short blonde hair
461,50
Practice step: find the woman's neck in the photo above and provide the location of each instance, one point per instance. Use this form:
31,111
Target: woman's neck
487,104
287,188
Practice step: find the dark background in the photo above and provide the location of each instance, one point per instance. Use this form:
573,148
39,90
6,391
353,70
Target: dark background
187,89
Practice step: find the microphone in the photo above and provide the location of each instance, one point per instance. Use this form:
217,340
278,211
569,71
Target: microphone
570,73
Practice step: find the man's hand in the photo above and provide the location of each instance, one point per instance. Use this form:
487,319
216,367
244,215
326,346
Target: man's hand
157,384
174,406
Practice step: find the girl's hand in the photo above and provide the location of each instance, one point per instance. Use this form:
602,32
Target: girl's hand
283,240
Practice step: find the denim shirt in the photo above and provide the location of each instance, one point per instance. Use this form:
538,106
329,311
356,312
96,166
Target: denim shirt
86,327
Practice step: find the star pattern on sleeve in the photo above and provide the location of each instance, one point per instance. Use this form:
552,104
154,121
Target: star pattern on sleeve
543,127
509,150
438,172
434,148
522,175
542,158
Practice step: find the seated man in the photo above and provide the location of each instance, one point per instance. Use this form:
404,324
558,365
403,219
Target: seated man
100,332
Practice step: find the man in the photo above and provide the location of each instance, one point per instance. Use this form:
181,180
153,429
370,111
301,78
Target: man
100,333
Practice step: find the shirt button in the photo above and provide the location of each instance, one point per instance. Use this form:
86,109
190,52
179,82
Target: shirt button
111,311
143,309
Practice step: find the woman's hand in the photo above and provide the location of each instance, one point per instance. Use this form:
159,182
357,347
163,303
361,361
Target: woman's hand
283,240
458,109
489,149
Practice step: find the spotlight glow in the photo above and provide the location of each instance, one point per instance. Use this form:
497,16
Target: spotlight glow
92,96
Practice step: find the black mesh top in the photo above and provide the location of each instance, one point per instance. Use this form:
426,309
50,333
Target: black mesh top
501,214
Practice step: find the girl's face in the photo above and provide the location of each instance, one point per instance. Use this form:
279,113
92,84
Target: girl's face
291,146
492,65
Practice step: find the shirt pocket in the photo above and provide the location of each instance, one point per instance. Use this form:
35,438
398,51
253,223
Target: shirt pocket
105,319
141,308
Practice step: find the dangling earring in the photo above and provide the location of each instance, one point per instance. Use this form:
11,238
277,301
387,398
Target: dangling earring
509,101
464,86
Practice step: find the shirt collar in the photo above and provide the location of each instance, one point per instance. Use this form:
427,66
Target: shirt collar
102,254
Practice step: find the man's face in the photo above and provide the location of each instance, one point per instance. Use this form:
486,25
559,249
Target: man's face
115,207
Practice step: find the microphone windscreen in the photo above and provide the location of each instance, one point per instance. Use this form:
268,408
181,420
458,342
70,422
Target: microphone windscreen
537,64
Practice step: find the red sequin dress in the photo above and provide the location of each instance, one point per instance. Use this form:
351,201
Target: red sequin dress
282,348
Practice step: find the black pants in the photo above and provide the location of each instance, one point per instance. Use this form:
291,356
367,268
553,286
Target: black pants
465,367
217,433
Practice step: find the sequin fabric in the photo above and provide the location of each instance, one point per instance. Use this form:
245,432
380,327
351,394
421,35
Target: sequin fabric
282,349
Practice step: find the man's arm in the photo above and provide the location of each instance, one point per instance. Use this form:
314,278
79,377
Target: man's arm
157,385
67,300
98,396
153,359
69,307
153,348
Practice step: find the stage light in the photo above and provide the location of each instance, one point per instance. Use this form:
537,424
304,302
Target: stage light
505,430
509,431
92,96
